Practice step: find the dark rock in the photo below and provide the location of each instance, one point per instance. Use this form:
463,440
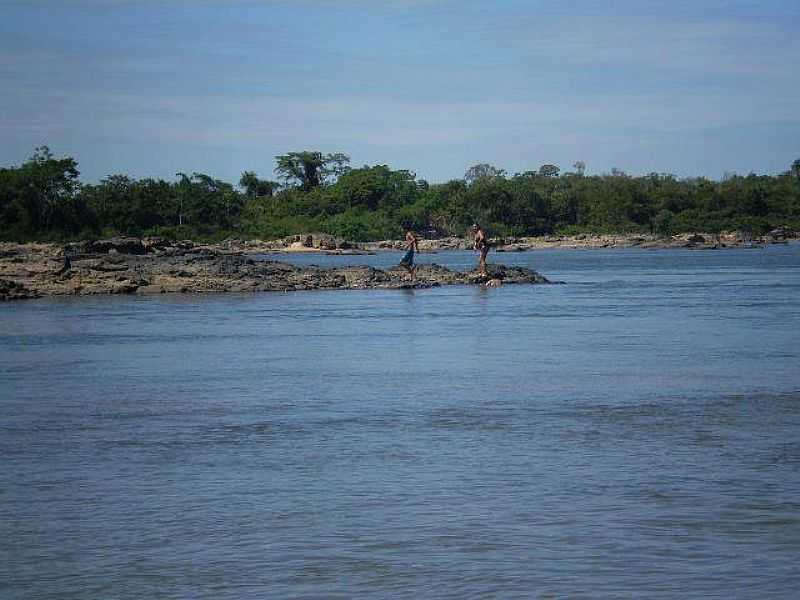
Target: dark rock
514,274
107,266
76,248
155,244
326,243
207,269
780,234
124,287
11,290
121,245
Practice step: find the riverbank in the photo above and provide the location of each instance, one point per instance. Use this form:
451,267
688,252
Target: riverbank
134,266
327,244
591,241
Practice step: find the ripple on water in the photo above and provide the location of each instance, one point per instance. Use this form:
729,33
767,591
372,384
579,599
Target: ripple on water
632,433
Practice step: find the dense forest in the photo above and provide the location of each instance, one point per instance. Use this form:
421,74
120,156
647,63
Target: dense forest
44,199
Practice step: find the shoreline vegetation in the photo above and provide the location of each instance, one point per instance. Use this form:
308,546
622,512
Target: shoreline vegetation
43,199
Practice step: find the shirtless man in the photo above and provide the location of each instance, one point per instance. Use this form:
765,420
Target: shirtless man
407,262
481,244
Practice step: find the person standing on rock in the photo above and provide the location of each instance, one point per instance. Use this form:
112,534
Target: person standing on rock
407,262
481,244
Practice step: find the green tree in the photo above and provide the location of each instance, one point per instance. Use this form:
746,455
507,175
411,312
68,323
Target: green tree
309,169
41,194
206,203
377,188
255,187
549,171
663,222
43,198
110,201
482,171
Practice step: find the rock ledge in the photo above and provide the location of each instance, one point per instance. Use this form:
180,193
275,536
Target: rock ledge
34,270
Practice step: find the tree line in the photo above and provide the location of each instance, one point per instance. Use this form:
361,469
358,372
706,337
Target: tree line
44,199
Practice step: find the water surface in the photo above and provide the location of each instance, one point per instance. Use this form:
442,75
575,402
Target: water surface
633,433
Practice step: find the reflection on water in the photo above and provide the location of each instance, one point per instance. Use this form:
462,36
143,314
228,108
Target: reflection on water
633,433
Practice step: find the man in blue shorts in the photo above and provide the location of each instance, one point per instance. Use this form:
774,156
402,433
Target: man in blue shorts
407,262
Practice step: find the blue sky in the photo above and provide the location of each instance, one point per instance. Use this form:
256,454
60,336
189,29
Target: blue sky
152,87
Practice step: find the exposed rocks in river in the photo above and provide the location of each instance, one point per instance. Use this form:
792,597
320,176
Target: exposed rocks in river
123,265
11,290
41,270
327,244
696,239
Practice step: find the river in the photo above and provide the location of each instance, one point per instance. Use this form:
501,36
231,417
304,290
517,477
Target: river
632,433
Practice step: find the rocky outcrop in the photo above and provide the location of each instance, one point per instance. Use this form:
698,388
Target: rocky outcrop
11,290
425,245
124,265
696,241
117,245
43,271
326,244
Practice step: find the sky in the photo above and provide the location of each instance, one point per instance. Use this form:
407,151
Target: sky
152,87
